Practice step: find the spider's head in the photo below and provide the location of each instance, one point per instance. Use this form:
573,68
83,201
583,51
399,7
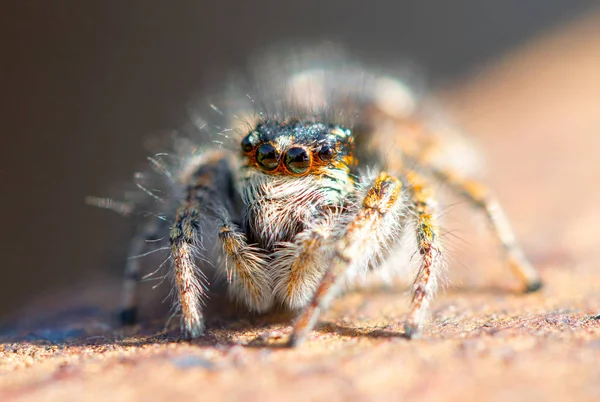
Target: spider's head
298,148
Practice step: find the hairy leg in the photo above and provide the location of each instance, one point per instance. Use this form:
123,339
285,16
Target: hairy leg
210,199
129,304
359,241
422,206
189,280
424,148
147,232
483,199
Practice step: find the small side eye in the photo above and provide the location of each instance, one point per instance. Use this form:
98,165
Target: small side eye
267,157
297,160
248,142
326,153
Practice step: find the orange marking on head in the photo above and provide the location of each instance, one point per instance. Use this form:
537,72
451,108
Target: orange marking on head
317,165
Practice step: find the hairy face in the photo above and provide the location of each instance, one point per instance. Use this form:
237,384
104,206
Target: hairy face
295,171
298,148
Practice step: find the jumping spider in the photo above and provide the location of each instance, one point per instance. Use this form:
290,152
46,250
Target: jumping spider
311,177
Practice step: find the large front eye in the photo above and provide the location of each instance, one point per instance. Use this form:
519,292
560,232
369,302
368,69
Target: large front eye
267,157
297,160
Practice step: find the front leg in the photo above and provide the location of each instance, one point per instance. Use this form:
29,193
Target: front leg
208,201
245,267
422,206
362,239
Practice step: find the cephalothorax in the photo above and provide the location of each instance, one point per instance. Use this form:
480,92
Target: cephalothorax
306,192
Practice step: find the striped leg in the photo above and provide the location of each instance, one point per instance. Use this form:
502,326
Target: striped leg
422,205
359,241
147,233
209,200
245,267
483,199
425,152
191,283
206,199
129,304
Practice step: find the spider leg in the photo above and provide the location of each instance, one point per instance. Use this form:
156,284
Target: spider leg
211,199
483,199
422,205
425,149
129,304
353,249
191,283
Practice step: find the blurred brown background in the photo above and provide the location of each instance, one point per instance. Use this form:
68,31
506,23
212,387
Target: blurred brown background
84,83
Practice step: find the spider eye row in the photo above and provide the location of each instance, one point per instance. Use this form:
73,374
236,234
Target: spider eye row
297,159
267,157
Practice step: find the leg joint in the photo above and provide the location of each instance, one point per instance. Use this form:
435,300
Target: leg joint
383,194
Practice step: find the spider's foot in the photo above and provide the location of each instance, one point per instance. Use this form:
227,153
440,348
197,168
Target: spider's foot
270,338
411,331
128,316
527,273
533,286
295,340
191,333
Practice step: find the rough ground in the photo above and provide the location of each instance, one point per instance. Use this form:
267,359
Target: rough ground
536,115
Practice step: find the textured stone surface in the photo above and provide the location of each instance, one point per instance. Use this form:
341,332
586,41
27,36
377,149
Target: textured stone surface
536,118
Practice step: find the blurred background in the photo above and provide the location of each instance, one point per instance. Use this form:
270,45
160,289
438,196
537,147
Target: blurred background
85,83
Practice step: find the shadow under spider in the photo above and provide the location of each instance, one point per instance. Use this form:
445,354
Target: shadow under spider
354,332
93,326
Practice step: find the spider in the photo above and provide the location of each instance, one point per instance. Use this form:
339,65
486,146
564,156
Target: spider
300,183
